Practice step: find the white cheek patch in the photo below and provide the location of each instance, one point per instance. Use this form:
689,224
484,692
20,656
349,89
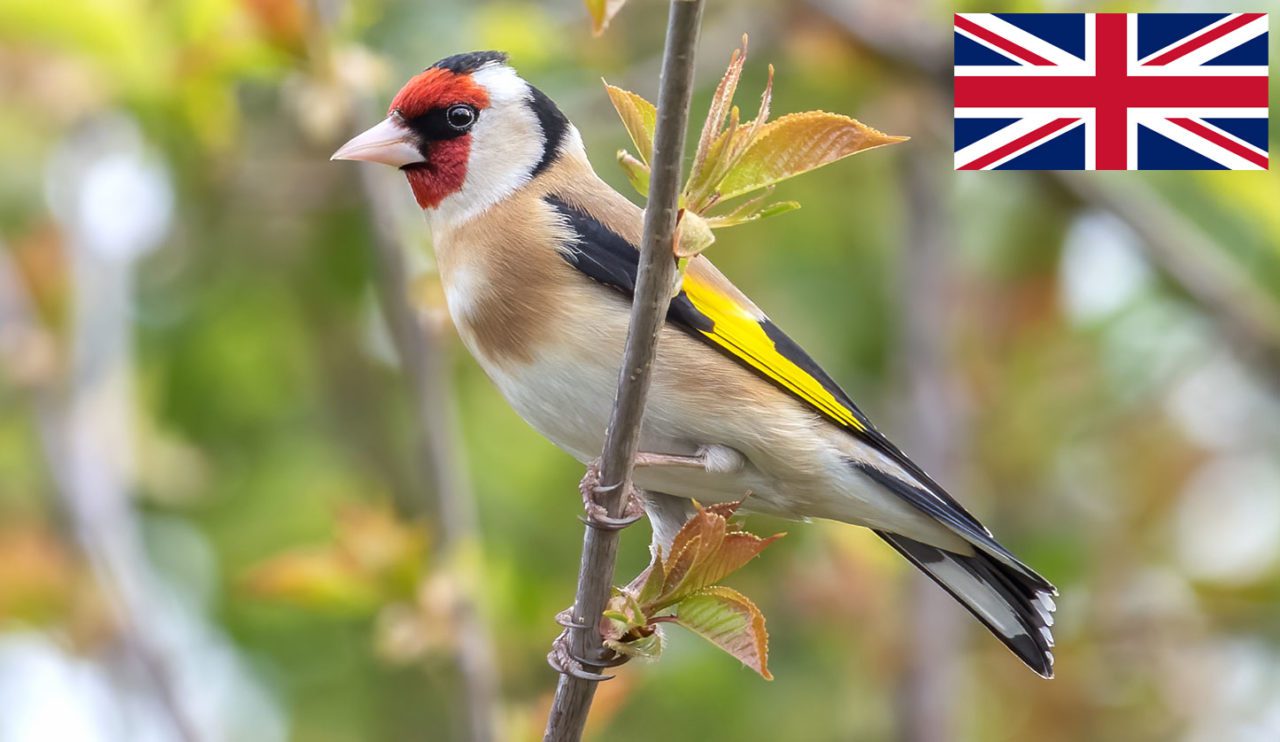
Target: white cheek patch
502,83
506,144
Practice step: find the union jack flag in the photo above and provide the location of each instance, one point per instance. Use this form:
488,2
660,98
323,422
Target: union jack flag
1111,91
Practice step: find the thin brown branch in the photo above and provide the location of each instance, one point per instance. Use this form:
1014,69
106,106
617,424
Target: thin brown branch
424,361
654,284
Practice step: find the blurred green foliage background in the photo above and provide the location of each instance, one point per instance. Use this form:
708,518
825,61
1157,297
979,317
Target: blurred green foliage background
1109,398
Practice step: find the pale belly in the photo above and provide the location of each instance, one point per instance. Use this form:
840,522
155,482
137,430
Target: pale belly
791,469
570,404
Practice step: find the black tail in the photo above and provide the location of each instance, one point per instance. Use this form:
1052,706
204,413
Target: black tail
1015,605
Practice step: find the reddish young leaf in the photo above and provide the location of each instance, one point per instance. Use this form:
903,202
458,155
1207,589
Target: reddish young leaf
735,550
725,510
721,103
682,588
651,590
677,567
700,190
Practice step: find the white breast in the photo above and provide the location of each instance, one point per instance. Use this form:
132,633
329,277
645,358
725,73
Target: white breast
568,403
463,291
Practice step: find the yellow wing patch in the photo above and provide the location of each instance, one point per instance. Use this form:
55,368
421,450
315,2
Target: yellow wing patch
740,332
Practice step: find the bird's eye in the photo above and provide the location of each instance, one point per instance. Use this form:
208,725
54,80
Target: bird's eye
460,117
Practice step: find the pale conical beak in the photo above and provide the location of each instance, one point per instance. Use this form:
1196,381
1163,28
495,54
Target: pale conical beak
390,143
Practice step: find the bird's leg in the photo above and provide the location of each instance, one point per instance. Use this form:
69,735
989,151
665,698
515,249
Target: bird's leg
713,458
597,516
564,661
669,459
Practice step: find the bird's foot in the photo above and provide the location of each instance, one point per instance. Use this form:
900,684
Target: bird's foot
597,516
564,661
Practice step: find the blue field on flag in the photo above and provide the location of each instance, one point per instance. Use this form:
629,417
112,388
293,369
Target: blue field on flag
1111,91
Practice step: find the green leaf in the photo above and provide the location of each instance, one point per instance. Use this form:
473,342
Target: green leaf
729,620
798,143
637,172
638,115
781,207
775,209
751,210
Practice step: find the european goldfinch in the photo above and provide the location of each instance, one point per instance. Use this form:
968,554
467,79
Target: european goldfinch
538,260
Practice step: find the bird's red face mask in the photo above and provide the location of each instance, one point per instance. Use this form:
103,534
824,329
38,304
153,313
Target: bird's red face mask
426,133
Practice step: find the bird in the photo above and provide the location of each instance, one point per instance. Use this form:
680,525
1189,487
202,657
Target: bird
538,258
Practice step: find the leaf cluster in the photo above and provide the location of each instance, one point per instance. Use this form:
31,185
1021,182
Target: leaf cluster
681,587
737,158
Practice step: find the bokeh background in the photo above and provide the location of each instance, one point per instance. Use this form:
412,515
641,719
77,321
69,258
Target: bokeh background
235,505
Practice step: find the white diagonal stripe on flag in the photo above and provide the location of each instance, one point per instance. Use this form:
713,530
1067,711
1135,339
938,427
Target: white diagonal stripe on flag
1012,33
1224,157
1009,134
